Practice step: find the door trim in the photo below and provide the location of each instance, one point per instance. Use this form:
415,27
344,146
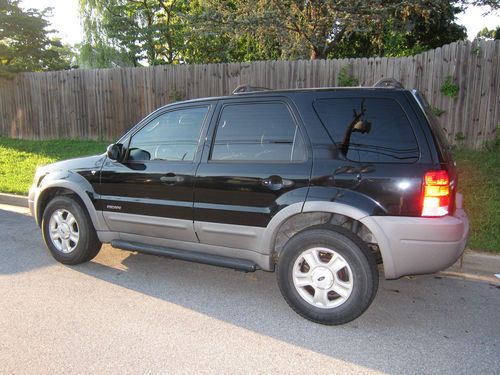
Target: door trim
230,235
156,226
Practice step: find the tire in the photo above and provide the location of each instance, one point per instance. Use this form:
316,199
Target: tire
68,231
340,282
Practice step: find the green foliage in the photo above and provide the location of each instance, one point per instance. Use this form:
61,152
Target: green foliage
130,33
479,182
486,34
176,96
437,111
450,88
101,55
25,44
155,32
126,32
19,159
476,51
460,139
303,29
345,78
406,32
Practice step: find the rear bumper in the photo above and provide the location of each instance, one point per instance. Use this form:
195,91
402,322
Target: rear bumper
414,245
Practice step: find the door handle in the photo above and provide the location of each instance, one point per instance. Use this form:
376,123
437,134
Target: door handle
171,179
276,182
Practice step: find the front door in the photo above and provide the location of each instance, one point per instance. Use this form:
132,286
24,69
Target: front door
150,192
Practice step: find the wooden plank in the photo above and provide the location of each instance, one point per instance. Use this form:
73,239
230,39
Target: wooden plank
442,70
474,79
496,93
485,89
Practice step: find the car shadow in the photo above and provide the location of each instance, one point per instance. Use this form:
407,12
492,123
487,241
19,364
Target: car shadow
21,245
429,316
405,312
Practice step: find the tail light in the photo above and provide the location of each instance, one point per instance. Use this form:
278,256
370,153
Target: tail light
436,194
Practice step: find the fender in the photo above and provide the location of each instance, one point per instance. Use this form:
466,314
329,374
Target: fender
267,244
348,210
79,185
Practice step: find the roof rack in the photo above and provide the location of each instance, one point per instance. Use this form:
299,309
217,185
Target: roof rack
389,82
247,88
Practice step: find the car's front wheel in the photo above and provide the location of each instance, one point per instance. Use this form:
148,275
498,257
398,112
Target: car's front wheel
327,274
68,231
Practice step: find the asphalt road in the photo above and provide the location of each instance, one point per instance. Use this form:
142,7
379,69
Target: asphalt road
132,313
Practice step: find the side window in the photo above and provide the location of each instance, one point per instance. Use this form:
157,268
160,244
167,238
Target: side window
372,130
257,132
171,136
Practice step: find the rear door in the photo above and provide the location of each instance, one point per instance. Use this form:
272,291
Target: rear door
255,163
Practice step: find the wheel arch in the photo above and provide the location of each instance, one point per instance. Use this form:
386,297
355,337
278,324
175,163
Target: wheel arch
292,220
65,187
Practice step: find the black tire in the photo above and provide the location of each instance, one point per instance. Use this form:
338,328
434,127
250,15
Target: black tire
361,275
87,245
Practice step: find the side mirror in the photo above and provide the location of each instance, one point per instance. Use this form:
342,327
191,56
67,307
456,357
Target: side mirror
114,151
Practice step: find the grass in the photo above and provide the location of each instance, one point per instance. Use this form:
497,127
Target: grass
479,182
479,178
20,158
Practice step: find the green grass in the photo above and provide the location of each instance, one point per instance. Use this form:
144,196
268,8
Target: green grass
19,159
479,178
479,182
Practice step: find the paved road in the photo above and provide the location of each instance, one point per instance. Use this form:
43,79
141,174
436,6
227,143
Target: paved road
132,313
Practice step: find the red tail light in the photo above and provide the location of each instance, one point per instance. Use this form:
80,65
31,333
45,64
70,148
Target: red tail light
436,194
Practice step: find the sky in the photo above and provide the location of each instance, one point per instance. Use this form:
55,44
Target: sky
66,19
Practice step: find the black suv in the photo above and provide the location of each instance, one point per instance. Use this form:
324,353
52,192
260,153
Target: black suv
316,184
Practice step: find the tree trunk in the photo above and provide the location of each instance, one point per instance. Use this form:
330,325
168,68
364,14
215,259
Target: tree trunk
317,54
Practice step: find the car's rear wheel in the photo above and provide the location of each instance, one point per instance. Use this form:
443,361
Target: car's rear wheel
327,274
68,231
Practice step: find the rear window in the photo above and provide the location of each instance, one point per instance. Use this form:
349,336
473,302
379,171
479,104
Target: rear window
380,130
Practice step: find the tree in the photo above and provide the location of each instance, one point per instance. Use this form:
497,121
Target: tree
321,29
138,30
128,32
420,31
25,44
486,34
298,27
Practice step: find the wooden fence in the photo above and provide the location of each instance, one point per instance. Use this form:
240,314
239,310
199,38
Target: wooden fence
103,103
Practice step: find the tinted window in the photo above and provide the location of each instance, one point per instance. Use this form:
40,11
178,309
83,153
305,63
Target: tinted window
257,131
381,132
171,136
